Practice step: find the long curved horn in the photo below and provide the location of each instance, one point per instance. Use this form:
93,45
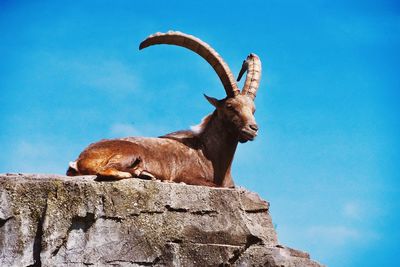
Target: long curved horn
252,65
202,49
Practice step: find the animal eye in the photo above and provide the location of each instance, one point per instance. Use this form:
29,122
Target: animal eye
229,106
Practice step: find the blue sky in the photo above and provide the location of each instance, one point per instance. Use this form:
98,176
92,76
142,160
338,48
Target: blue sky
327,153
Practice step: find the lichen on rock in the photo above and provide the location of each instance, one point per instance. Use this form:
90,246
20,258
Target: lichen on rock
51,220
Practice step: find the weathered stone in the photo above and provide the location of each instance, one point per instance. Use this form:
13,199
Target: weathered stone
50,220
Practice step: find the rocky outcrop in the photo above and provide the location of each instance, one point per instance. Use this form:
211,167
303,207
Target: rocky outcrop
48,220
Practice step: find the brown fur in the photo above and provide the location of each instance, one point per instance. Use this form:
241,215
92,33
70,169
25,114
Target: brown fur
200,157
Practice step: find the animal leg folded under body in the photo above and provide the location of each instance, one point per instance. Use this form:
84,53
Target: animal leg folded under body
116,174
142,174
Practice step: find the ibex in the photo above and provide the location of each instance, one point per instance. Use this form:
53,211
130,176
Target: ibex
200,156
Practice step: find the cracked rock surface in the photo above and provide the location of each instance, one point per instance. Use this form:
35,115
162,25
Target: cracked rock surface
52,220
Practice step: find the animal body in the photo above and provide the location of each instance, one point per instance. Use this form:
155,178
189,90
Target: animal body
201,156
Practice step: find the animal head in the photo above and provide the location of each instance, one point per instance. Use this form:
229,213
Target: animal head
238,114
237,109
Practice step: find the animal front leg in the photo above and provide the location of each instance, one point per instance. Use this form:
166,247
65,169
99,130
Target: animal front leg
112,172
147,175
142,174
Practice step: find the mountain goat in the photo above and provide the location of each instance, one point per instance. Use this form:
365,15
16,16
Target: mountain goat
201,156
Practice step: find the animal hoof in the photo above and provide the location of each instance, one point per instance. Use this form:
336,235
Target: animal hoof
124,175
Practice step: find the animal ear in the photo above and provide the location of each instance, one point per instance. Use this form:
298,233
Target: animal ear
213,101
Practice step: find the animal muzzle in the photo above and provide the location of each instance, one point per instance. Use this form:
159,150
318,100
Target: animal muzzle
248,133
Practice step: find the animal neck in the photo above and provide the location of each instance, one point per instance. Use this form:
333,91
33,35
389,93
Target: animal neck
219,146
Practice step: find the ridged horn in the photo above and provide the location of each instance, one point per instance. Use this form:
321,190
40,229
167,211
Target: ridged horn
252,65
202,49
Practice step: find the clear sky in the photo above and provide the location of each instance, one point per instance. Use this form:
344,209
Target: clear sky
328,150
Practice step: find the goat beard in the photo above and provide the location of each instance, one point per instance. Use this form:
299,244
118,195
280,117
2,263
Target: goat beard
232,129
241,140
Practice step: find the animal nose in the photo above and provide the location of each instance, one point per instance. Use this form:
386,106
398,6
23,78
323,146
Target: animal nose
254,127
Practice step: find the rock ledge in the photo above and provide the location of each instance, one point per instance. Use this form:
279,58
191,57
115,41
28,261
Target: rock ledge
51,220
